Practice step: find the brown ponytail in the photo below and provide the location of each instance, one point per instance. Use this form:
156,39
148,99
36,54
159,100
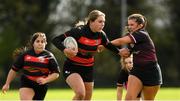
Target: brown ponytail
140,19
93,15
18,51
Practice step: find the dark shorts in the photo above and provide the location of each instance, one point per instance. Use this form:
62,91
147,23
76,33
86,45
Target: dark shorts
40,90
149,74
85,72
123,80
123,76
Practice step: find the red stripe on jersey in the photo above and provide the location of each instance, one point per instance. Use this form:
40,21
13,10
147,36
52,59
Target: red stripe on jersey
34,78
82,60
89,42
84,51
40,59
90,64
36,69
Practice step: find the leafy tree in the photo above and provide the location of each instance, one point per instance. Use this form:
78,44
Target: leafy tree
174,13
159,27
19,20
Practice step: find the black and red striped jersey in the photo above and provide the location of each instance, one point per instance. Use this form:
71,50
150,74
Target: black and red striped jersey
36,65
87,44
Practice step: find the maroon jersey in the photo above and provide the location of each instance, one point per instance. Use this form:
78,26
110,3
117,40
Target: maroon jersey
142,48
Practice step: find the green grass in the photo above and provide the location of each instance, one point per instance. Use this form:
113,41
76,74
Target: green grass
98,94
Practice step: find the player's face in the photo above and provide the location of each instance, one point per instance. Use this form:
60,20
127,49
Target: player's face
128,63
39,44
98,24
133,25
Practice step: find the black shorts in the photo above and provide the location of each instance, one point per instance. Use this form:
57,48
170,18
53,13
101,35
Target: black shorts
86,72
149,74
123,76
123,80
40,90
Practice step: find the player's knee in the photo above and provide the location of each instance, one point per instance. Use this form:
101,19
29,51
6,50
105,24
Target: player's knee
149,97
80,94
130,97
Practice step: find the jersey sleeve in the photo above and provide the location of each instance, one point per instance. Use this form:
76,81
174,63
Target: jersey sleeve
58,40
106,43
18,63
138,37
53,64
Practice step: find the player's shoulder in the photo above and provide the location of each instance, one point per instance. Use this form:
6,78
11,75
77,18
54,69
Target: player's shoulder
21,52
28,51
140,32
77,29
143,32
102,34
47,52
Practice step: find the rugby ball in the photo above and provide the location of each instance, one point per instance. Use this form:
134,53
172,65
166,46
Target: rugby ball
70,42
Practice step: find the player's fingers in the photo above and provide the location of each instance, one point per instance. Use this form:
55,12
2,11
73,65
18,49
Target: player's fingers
4,91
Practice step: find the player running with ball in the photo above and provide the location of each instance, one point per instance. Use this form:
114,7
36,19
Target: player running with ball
78,68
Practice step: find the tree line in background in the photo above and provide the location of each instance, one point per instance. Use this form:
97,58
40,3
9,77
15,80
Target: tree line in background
21,18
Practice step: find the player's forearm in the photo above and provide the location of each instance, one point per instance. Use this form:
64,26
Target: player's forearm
119,93
117,42
52,77
113,48
11,76
121,41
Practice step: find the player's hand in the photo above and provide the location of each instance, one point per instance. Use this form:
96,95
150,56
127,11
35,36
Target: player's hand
124,52
100,48
41,81
70,53
5,88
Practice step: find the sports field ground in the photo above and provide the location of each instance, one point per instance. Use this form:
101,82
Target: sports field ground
99,94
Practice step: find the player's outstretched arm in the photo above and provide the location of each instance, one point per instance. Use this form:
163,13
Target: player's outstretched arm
10,77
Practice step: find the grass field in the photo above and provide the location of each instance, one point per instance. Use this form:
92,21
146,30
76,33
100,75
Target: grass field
99,94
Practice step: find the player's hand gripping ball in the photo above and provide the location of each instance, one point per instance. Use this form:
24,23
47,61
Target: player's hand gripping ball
71,43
